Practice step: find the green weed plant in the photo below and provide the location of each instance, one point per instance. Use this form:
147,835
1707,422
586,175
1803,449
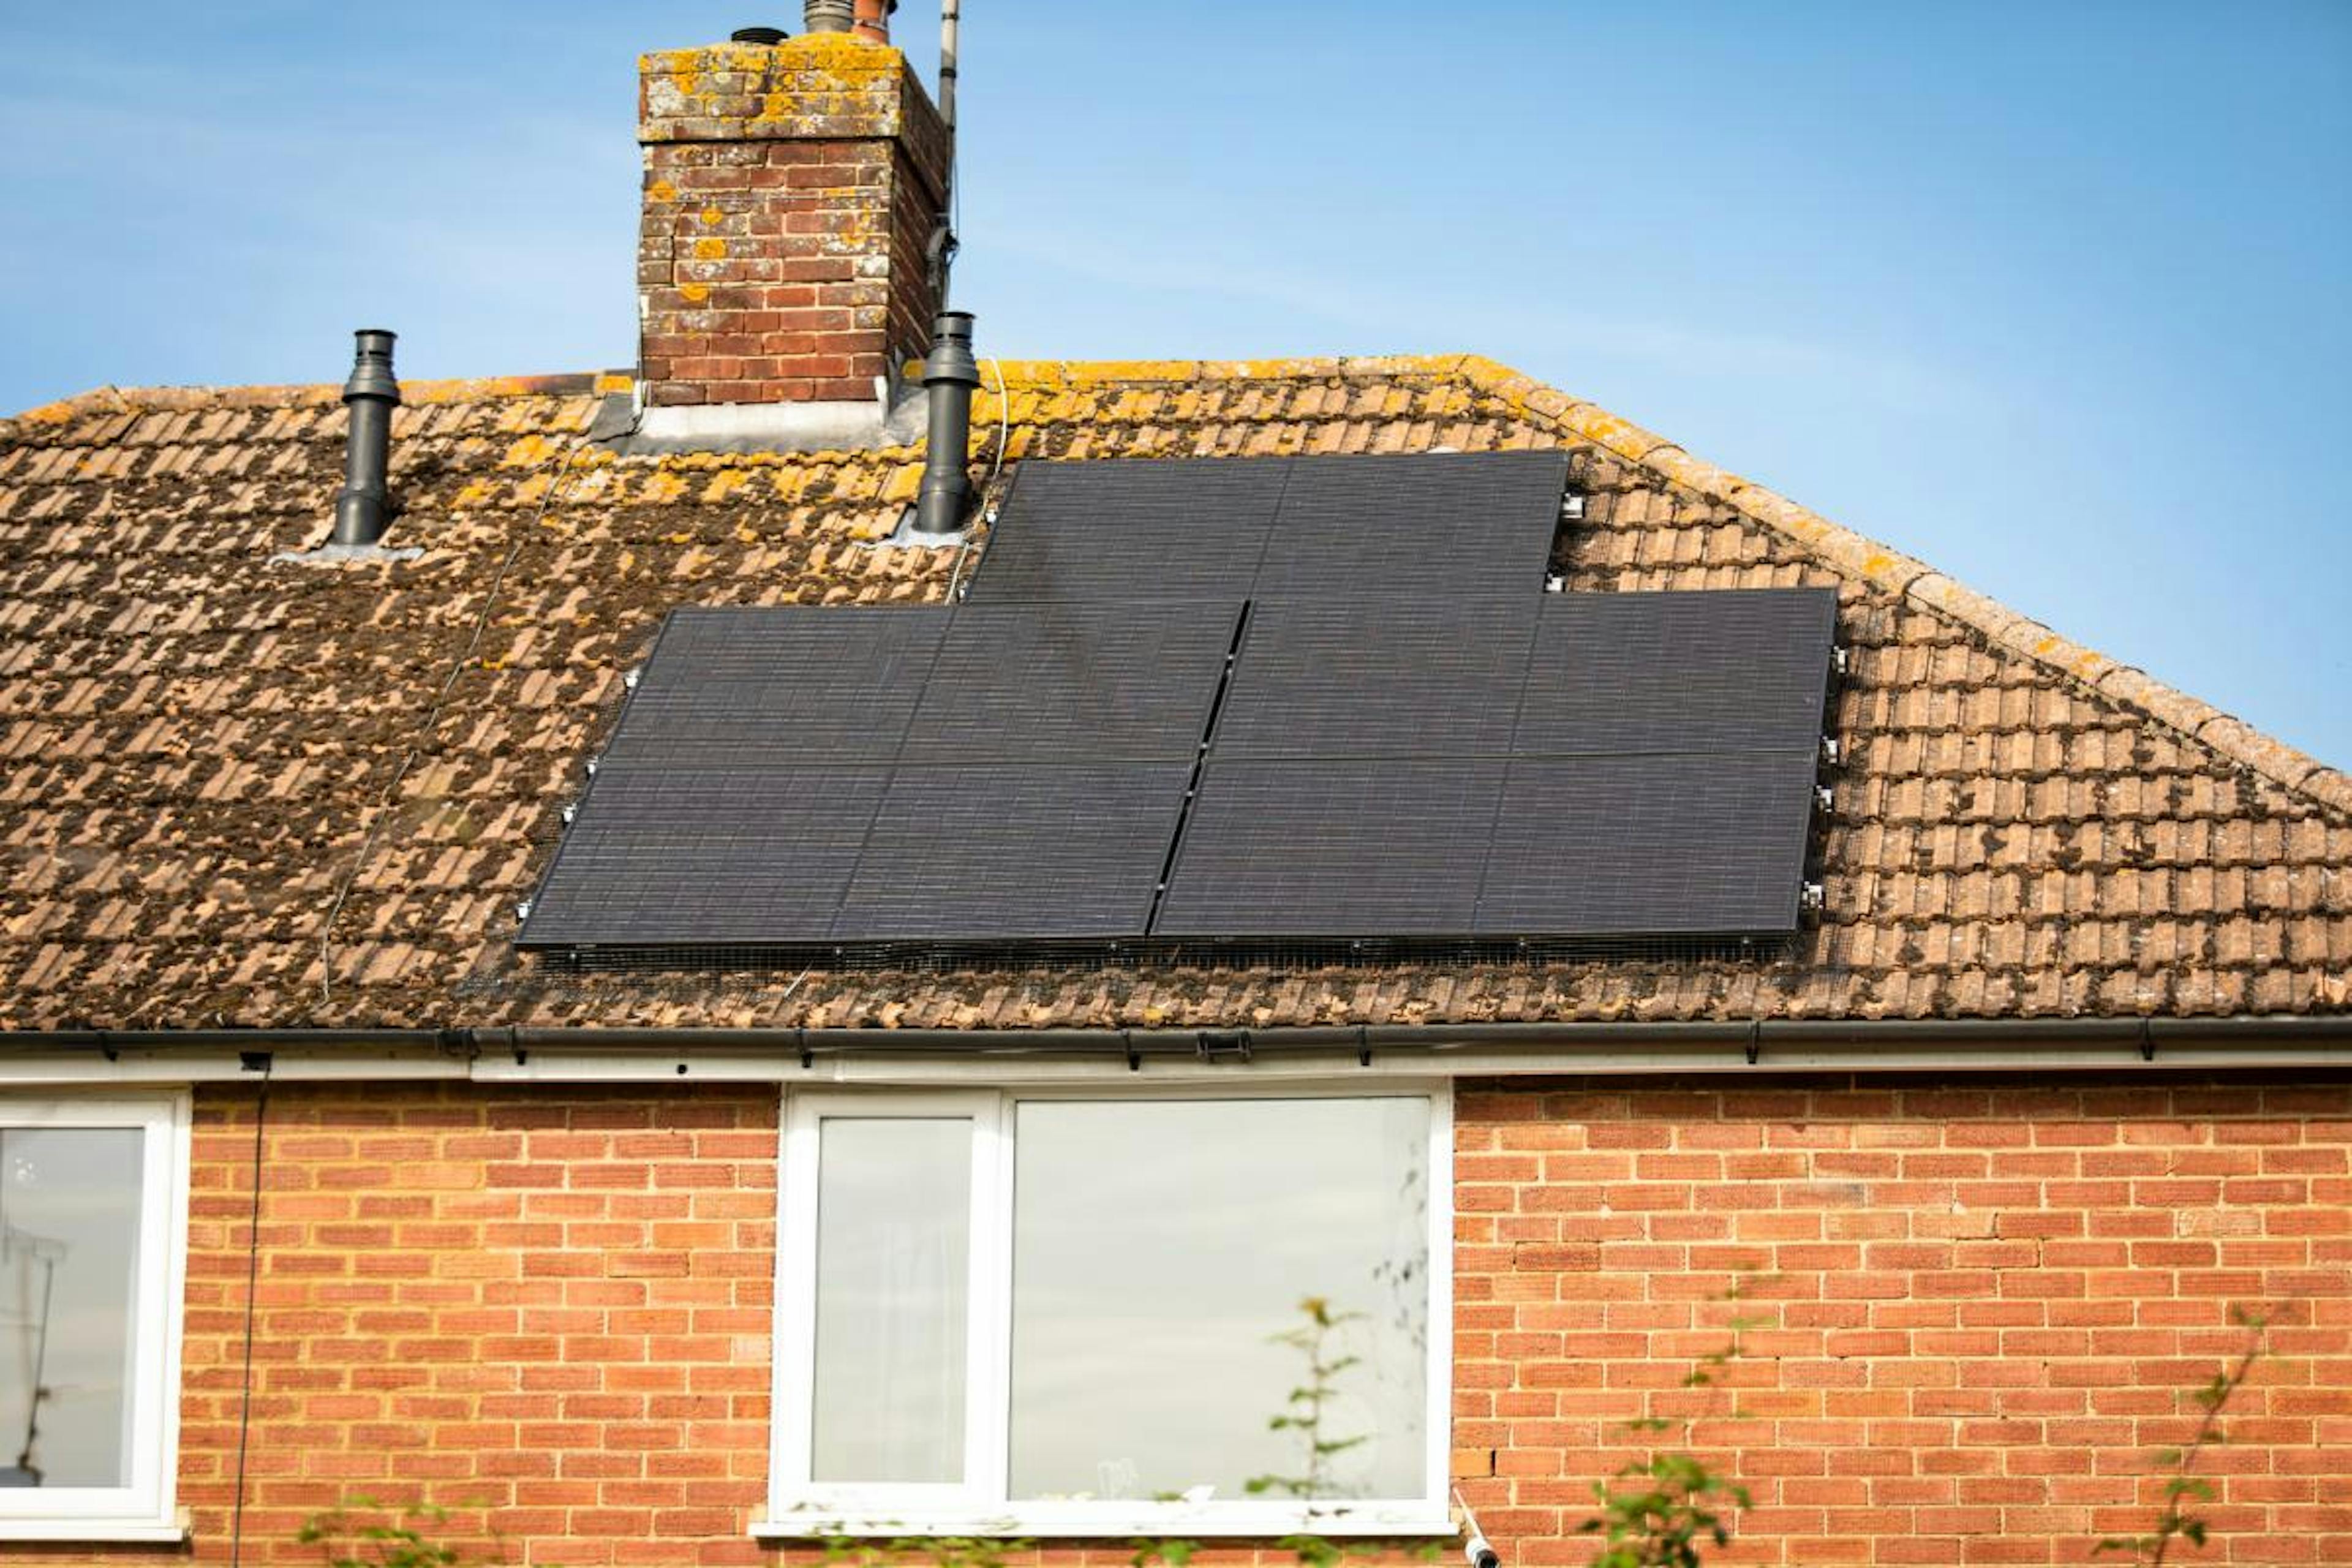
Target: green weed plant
2184,1489
1659,1511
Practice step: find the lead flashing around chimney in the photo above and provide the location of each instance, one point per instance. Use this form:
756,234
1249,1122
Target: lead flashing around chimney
775,428
346,555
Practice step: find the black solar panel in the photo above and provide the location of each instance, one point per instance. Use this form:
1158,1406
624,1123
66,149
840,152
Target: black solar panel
1650,845
1677,672
1369,677
1008,853
1446,524
1333,848
1093,683
1411,741
1176,528
795,684
705,856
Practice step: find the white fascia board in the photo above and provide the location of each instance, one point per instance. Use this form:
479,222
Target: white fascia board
636,1064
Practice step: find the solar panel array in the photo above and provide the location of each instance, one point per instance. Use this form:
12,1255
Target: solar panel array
1218,700
1445,525
1517,768
804,776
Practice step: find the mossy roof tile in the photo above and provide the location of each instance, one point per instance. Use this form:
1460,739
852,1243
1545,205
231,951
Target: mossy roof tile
237,794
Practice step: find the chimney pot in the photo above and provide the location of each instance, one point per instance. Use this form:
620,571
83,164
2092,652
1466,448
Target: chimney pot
769,36
826,16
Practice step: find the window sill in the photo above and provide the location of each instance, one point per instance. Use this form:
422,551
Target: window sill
1068,1522
96,1531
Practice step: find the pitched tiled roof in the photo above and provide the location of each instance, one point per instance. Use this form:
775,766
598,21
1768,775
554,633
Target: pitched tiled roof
244,794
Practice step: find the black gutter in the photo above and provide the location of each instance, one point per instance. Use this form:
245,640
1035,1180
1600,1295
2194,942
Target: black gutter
1757,1039
112,1042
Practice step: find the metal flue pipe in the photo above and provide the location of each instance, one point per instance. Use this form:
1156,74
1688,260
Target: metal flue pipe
363,510
950,375
951,14
826,16
940,254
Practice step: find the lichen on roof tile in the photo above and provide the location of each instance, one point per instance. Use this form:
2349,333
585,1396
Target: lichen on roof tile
2023,828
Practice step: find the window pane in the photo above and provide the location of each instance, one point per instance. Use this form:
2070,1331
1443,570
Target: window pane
893,1235
1159,1248
70,1201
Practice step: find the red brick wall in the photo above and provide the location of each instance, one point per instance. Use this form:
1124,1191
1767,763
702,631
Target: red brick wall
1986,1300
555,1301
789,194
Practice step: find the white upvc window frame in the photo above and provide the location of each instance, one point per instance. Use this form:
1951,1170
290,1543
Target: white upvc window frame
144,1510
793,1442
800,1509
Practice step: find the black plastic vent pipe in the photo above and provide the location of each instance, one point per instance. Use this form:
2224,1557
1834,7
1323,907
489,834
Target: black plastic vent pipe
361,511
950,375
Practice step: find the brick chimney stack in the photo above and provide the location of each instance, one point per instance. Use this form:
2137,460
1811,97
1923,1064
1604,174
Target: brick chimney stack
790,191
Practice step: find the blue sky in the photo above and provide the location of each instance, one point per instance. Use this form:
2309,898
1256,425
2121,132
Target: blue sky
2053,296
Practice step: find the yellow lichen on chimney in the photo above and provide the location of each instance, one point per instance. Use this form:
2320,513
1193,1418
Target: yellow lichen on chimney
841,54
856,230
738,57
710,248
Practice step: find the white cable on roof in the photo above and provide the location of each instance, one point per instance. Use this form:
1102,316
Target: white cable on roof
432,720
1003,421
